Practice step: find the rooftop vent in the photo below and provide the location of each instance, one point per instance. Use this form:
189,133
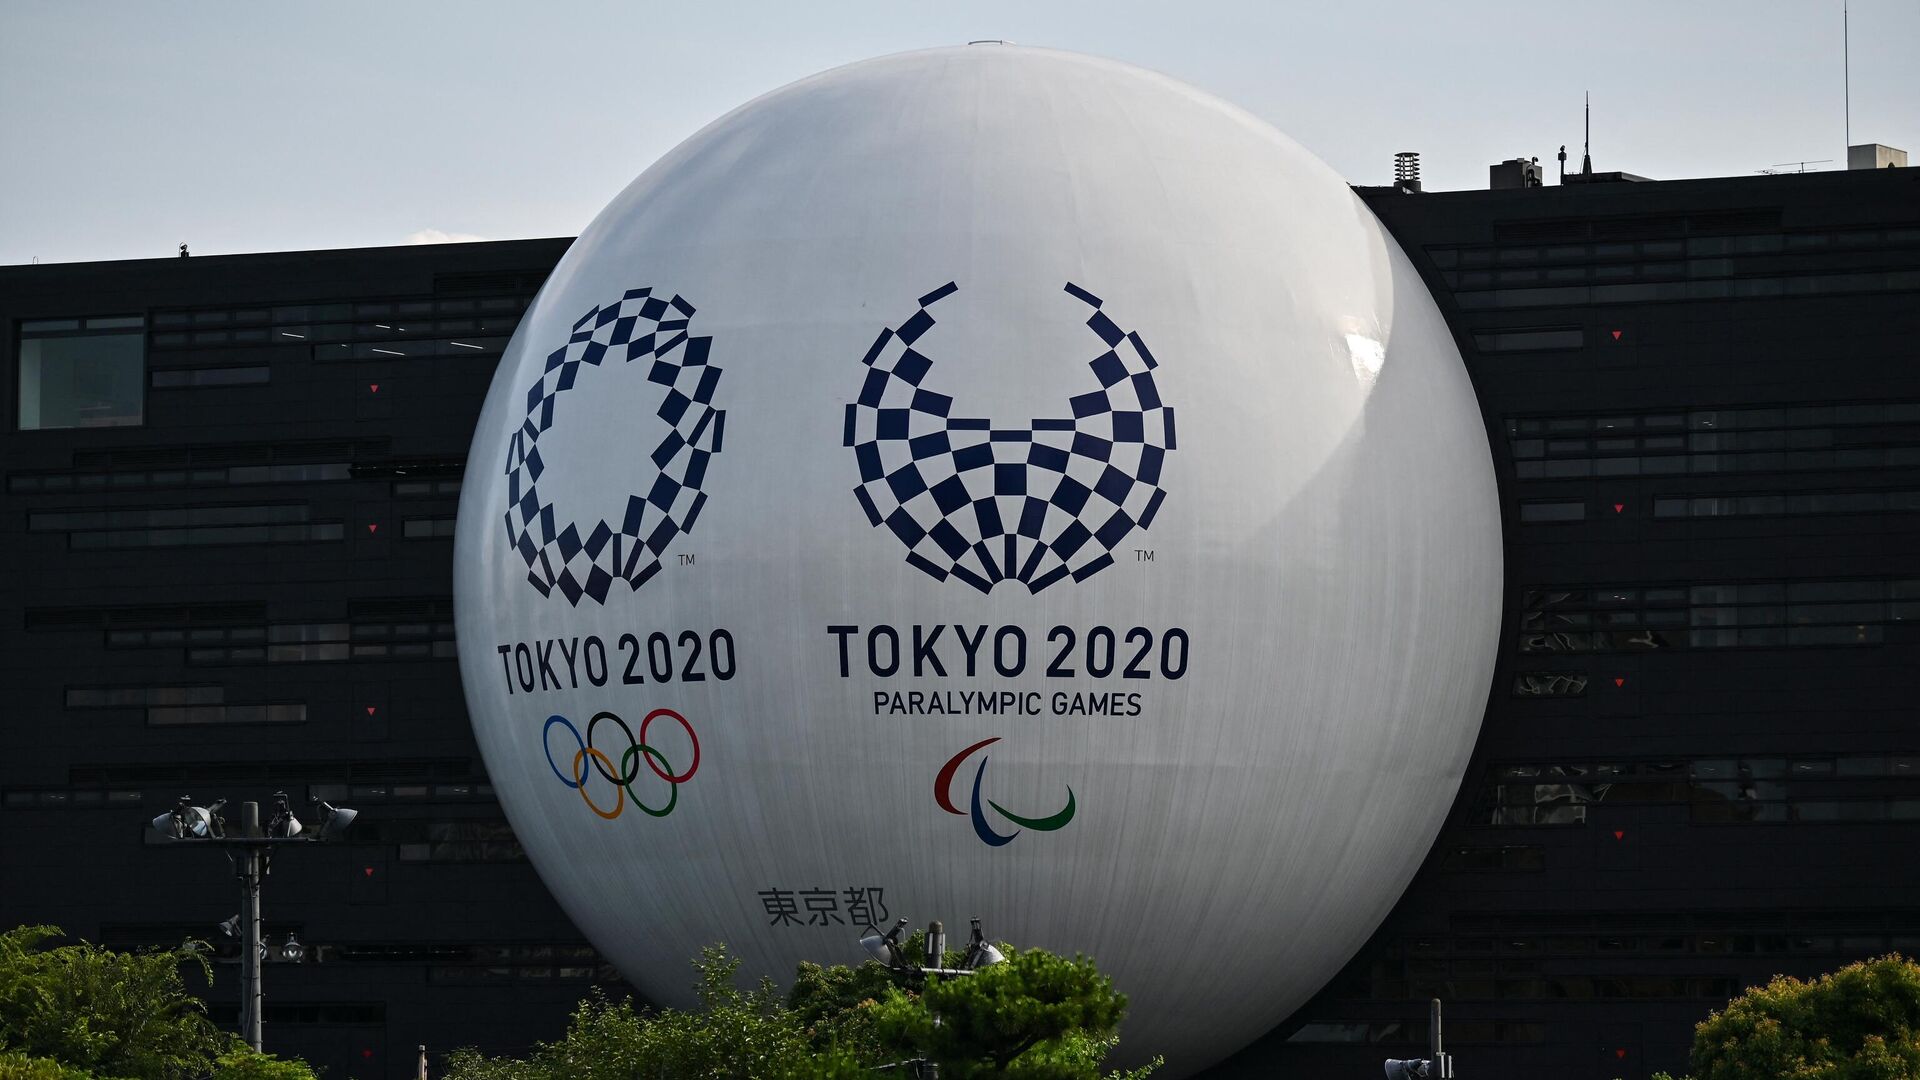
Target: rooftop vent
1406,170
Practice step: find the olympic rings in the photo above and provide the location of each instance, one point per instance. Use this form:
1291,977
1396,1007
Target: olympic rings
622,775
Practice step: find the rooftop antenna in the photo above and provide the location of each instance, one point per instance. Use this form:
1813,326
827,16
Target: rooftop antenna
1794,167
1846,70
1586,155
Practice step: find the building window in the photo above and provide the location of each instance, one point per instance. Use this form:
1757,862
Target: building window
435,528
1541,513
82,372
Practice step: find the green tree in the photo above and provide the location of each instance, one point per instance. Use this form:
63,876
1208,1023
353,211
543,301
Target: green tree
734,1034
17,1066
1861,1022
110,1013
1036,1016
242,1063
81,1012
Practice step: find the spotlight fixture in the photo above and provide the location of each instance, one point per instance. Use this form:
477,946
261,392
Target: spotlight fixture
283,825
980,951
886,949
189,822
333,819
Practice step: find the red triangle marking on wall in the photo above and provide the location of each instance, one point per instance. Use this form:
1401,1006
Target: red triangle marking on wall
374,387
1619,834
373,528
1619,508
1619,681
1620,1053
1616,335
367,870
369,710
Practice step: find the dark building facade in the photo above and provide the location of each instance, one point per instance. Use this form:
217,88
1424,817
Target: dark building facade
229,497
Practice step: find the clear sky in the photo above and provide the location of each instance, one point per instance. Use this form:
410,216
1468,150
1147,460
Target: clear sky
127,128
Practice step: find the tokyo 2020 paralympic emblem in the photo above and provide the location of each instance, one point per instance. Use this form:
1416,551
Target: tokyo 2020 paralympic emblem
585,558
1031,504
637,750
943,795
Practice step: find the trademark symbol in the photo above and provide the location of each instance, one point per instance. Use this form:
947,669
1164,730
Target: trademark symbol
1142,554
686,560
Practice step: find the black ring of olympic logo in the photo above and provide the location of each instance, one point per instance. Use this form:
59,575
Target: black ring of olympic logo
630,774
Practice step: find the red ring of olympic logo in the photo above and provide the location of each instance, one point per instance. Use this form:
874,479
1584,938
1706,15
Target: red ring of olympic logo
623,774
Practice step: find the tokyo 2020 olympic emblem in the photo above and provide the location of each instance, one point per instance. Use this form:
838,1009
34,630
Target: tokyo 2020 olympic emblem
585,558
943,795
622,774
1031,504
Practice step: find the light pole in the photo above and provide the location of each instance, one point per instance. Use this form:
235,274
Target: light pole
1437,1067
889,951
250,852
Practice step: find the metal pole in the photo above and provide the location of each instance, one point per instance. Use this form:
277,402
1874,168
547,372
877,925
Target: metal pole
422,1073
250,874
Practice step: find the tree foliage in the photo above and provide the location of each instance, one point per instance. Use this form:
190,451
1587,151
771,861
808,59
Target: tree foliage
81,1012
735,1033
18,1066
1037,1017
1861,1022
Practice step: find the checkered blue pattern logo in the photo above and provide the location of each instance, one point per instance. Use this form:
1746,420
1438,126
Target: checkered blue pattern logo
582,559
1032,504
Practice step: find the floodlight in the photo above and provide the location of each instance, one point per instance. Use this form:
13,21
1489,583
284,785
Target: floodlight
980,951
886,949
333,819
292,951
231,927
187,821
1408,1069
283,825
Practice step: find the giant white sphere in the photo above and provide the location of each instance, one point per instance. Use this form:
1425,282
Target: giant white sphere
1181,491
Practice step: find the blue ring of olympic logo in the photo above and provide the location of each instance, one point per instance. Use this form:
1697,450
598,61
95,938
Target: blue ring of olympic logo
584,559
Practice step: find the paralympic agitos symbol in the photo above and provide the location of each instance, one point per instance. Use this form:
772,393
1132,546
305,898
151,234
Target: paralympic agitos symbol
943,794
629,767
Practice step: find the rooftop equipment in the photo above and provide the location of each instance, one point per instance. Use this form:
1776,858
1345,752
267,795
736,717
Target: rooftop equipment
1406,170
1875,156
1515,173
